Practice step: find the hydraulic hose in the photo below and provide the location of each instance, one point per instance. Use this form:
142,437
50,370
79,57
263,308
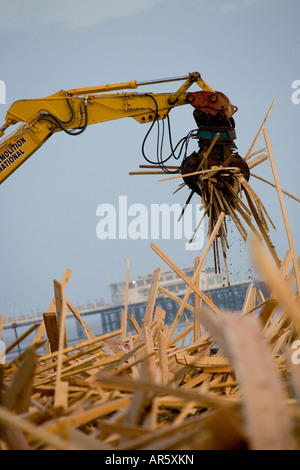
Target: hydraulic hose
61,124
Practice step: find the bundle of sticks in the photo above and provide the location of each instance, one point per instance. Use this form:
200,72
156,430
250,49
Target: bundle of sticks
225,190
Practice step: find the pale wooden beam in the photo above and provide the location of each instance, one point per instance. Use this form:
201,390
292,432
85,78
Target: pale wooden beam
124,314
283,208
248,154
274,186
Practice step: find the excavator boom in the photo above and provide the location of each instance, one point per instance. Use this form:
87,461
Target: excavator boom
216,172
72,111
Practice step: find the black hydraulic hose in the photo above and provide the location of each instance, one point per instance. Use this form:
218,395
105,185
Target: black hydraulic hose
182,144
61,124
150,129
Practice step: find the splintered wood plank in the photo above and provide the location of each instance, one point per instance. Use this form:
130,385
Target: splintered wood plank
148,365
61,394
171,437
250,300
260,207
83,365
164,291
63,284
131,362
135,324
81,346
191,282
248,221
162,354
291,276
262,229
238,199
54,442
123,325
274,186
265,401
283,208
200,223
87,331
264,404
196,299
257,152
204,399
61,388
209,363
60,308
268,311
159,315
18,395
15,439
41,330
136,408
279,286
182,335
186,327
124,314
21,337
71,357
234,217
159,319
152,297
257,161
140,398
84,441
199,378
51,326
82,417
248,154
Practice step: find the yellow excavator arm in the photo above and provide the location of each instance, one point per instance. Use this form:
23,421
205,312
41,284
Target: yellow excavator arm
72,111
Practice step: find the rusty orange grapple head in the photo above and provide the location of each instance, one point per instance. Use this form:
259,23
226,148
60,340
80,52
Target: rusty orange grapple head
213,103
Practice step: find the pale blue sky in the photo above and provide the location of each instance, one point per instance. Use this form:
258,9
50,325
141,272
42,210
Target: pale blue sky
247,49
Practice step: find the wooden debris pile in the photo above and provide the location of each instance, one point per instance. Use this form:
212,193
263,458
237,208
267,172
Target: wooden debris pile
223,381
